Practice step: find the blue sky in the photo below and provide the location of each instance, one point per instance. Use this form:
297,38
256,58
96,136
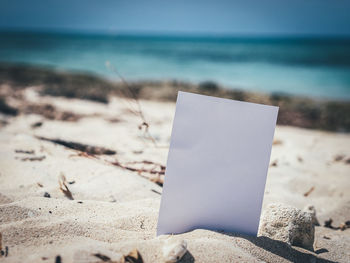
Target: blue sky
248,17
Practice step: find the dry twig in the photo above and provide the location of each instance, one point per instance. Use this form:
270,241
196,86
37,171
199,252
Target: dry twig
25,152
31,159
155,191
129,93
64,188
306,194
102,257
93,150
155,173
342,226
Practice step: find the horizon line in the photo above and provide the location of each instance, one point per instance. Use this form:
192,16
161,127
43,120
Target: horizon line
154,33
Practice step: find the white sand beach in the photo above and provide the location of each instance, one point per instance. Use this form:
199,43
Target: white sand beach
115,210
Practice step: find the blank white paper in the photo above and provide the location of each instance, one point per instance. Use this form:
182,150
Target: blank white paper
217,165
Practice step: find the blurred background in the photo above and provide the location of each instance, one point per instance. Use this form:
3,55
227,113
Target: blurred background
278,48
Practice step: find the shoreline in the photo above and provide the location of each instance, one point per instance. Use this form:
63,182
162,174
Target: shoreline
299,111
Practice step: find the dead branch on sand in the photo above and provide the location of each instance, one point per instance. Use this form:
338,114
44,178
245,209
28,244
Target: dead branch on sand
134,104
152,171
155,173
89,149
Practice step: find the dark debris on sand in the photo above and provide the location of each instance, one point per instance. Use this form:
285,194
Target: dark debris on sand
342,226
89,149
7,109
25,151
50,112
32,159
58,259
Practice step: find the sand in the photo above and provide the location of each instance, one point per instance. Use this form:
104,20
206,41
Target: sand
115,210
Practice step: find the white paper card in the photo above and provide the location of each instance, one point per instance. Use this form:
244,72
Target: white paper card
217,165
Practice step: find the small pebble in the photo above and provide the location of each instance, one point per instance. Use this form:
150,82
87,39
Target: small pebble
47,195
173,251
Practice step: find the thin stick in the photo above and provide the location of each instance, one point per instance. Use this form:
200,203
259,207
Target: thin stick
309,192
126,166
133,95
139,111
64,188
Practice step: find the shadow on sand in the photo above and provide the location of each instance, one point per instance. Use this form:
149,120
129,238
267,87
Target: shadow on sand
280,249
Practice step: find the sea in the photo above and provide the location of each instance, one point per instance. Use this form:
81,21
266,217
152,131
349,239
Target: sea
311,66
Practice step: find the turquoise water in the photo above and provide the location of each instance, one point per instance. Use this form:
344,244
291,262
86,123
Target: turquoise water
314,67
